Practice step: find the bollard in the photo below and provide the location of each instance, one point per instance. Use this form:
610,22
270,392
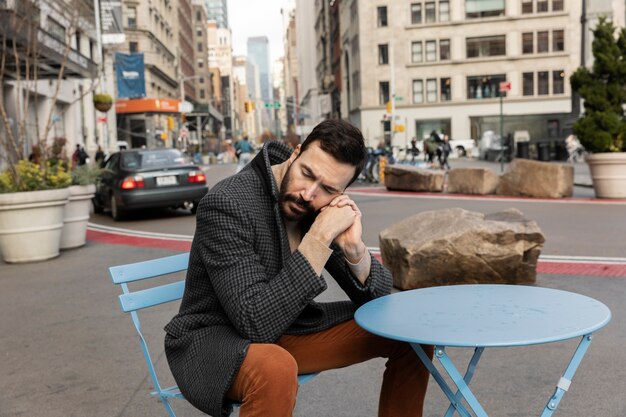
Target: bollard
382,162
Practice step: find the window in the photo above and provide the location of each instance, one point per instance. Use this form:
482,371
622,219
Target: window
484,86
416,52
202,93
486,46
201,80
527,6
416,13
558,41
132,47
558,82
200,63
445,89
383,92
356,89
56,29
431,90
199,32
528,83
383,54
557,5
131,14
354,12
444,49
199,46
444,11
527,43
430,14
418,91
542,83
382,16
481,8
542,6
431,50
542,42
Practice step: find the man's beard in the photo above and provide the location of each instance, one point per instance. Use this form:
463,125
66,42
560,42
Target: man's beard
284,199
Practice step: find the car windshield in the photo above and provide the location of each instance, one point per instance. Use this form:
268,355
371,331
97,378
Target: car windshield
152,159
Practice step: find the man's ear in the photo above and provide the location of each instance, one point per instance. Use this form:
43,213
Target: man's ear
294,154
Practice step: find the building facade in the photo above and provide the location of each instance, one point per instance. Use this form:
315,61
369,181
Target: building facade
44,103
217,10
441,63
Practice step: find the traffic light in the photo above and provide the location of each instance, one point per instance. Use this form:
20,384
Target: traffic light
389,106
252,106
246,105
170,123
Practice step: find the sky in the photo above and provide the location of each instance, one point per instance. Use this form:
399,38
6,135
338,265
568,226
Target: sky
248,18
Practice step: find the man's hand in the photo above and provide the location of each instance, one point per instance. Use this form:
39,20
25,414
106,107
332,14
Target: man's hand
331,222
350,241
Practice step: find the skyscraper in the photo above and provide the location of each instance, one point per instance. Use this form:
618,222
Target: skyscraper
218,10
259,55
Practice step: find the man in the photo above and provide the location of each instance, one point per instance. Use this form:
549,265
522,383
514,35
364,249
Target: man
248,322
243,150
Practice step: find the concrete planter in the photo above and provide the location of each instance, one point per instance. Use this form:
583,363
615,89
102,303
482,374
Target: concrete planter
608,173
31,223
76,216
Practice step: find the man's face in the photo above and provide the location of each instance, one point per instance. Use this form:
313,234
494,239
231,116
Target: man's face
312,180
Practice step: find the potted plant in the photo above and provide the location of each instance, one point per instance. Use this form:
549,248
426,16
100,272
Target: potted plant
77,210
602,128
32,202
102,102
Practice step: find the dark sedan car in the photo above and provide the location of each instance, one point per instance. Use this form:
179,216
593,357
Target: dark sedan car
149,178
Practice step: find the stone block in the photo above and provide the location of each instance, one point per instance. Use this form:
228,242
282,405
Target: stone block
407,178
537,179
472,181
456,246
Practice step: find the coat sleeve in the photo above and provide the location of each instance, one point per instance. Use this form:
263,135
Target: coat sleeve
260,306
377,284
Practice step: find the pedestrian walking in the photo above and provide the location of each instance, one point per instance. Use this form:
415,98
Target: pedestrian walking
444,153
100,157
243,151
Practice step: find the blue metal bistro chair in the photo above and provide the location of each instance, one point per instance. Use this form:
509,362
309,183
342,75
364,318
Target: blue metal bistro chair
133,301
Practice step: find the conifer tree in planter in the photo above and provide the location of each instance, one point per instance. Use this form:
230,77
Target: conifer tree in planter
102,102
602,128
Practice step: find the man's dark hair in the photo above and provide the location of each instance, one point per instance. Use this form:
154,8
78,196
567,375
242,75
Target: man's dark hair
341,140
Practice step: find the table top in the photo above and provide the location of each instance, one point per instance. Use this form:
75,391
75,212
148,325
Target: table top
483,315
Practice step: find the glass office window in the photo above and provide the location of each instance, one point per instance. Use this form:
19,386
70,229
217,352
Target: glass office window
542,6
542,42
383,54
484,86
416,13
382,16
543,87
444,49
486,46
558,82
445,89
431,90
383,92
416,52
444,11
528,83
418,91
558,41
430,15
557,5
431,50
483,8
527,43
527,6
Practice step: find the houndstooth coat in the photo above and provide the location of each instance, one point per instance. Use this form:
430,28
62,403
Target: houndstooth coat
245,286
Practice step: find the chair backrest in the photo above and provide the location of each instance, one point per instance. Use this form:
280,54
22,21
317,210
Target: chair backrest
132,301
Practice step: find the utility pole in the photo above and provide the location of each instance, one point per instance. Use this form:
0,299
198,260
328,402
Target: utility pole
392,92
102,77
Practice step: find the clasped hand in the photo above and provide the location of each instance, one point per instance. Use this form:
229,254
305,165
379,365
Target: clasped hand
340,222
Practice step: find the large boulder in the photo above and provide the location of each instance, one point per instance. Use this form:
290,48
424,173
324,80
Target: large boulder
472,181
456,246
537,179
408,178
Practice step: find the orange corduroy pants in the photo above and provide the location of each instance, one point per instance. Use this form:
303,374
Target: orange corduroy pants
267,382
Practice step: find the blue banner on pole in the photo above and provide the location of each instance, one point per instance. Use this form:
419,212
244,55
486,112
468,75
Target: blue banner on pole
129,70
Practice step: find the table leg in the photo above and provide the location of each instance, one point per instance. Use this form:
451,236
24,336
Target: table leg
566,379
471,367
463,389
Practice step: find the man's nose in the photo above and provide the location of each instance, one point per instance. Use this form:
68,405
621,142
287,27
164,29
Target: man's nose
309,192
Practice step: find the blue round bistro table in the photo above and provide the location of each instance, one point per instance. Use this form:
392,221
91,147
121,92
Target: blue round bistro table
483,316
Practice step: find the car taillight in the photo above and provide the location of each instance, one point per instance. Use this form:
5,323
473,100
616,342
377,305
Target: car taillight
130,183
196,176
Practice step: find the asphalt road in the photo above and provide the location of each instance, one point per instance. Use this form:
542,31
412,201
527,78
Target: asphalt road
67,350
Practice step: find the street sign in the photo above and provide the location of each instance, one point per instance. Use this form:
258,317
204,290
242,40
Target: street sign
272,105
505,86
398,98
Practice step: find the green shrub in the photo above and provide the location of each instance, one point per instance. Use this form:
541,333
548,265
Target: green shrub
28,176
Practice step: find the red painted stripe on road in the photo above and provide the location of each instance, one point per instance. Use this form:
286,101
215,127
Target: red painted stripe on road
543,267
140,241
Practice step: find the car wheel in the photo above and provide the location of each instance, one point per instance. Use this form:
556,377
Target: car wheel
97,207
194,208
116,212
